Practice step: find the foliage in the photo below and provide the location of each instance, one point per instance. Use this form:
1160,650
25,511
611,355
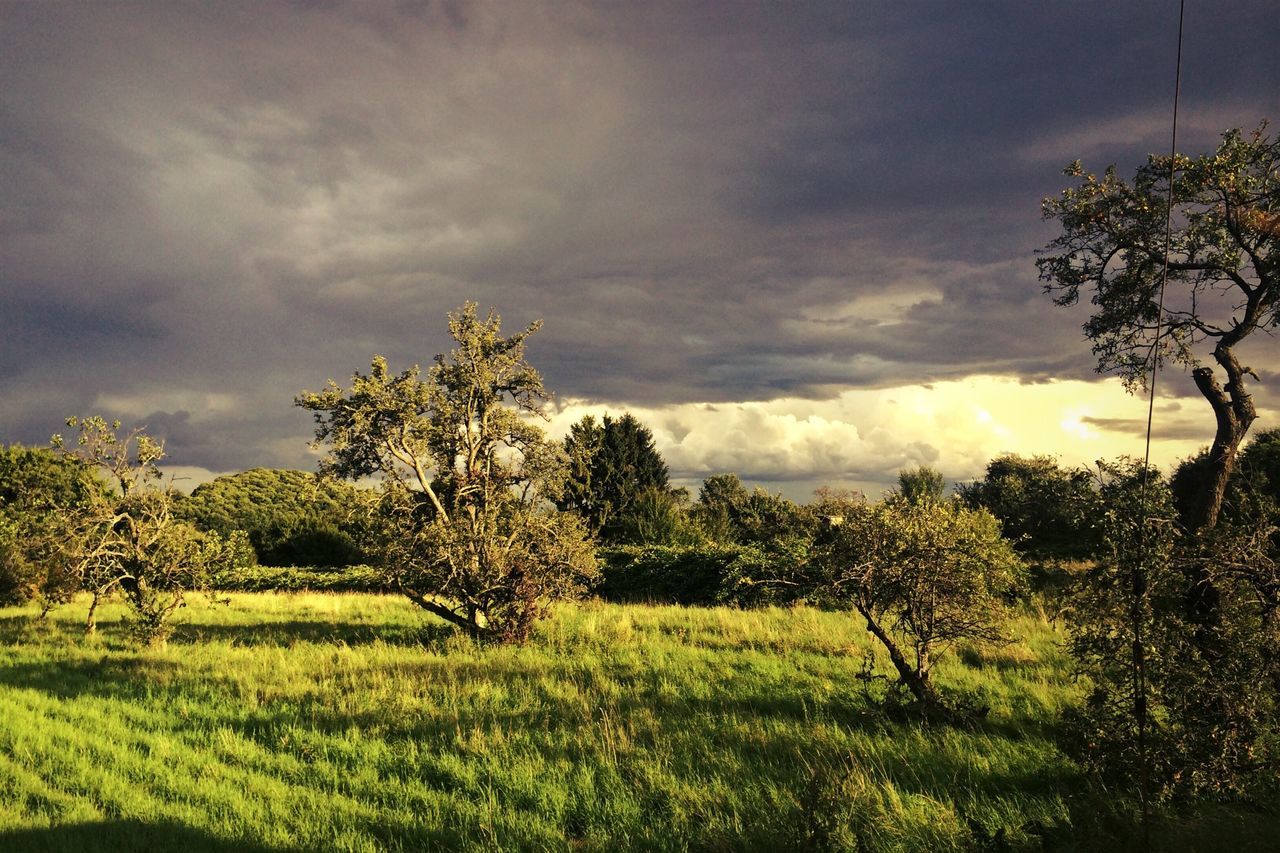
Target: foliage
127,539
39,490
613,464
658,517
462,524
780,574
921,484
719,501
292,518
688,575
923,576
1163,713
20,577
1223,273
1254,486
1044,510
729,513
1260,464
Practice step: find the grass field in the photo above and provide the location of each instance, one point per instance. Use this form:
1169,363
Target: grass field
349,722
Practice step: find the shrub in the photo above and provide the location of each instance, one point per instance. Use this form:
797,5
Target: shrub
701,575
1180,706
668,574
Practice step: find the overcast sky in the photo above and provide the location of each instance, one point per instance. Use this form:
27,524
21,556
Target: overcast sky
796,239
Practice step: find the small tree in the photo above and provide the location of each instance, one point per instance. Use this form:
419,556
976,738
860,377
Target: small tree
463,524
922,576
659,517
127,539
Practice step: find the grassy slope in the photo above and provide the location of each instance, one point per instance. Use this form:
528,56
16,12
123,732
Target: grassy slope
317,721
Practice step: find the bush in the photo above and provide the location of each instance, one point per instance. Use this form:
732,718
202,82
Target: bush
666,574
1185,705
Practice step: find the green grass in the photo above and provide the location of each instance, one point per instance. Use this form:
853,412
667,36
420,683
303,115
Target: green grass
351,722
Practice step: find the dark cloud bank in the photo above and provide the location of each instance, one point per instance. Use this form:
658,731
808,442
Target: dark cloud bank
209,207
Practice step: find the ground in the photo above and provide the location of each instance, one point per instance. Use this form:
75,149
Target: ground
352,722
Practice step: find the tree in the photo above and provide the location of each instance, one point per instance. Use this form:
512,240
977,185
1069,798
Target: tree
126,539
729,513
611,464
1043,509
921,484
462,524
1223,272
922,575
658,517
720,500
292,518
39,490
1160,713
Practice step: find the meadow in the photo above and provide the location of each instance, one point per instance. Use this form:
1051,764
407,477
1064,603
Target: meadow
313,721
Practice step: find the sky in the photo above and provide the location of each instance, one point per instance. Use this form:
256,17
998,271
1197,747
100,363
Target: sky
797,240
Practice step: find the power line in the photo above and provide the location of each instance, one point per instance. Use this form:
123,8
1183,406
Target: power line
1139,580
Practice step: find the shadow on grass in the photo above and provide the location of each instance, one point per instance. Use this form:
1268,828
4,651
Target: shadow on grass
289,632
125,835
739,722
111,677
114,634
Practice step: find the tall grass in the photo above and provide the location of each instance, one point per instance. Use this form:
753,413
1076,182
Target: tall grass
348,722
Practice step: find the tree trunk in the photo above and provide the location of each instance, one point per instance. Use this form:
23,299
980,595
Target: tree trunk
1234,411
90,621
471,626
917,681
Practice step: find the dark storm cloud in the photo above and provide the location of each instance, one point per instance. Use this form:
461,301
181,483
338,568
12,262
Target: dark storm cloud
208,208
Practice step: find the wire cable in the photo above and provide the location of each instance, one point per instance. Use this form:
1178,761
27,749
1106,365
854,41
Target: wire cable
1139,580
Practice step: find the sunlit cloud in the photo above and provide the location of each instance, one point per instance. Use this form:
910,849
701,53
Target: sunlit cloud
862,438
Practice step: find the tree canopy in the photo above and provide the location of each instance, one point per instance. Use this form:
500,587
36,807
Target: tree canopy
1044,509
921,484
292,518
